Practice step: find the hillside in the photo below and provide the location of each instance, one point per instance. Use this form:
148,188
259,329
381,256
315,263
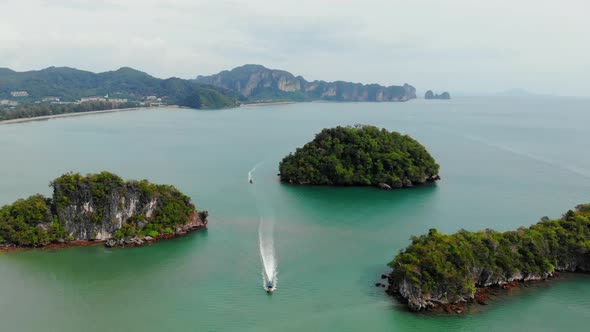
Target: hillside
260,84
69,84
360,156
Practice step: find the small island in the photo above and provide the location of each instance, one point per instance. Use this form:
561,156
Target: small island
439,271
431,95
99,208
360,156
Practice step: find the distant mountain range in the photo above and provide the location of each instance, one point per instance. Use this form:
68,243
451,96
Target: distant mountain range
245,84
69,84
257,83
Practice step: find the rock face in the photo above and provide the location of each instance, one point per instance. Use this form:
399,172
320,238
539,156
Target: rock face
417,300
100,207
258,83
195,223
80,218
441,270
430,95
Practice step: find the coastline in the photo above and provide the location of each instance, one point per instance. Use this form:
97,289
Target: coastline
66,115
195,224
270,103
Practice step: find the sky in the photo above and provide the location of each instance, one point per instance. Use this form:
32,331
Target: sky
466,46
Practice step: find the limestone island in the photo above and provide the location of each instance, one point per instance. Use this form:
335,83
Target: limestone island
360,156
438,271
431,95
99,208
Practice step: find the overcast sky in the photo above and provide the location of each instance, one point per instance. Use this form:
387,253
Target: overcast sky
455,45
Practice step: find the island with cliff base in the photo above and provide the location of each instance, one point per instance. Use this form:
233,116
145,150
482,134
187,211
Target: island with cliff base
431,95
438,271
360,156
99,208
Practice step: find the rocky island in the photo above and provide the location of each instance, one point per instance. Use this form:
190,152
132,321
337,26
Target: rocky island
438,271
431,95
99,208
360,156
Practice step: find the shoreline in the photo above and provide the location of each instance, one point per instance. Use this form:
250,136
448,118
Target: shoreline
127,243
271,103
483,296
67,115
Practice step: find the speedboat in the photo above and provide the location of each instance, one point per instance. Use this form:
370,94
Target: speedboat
269,287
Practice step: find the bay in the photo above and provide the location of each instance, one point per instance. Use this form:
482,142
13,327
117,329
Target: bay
504,163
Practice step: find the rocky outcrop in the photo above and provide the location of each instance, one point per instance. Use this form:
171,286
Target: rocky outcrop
196,222
443,271
85,218
258,83
431,95
99,207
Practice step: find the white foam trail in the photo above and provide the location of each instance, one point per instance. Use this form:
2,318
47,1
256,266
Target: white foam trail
267,252
252,171
575,170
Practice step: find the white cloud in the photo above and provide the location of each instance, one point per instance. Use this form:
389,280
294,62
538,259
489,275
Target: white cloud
458,45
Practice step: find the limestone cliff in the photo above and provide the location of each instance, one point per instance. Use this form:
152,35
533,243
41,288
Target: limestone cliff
438,269
260,84
431,95
99,207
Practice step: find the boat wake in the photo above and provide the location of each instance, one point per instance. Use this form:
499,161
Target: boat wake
265,236
250,179
572,169
267,255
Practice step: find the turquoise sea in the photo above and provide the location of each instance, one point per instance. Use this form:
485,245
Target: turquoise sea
504,163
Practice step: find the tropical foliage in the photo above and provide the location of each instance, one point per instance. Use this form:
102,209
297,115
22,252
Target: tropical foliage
359,155
35,110
70,85
452,264
38,220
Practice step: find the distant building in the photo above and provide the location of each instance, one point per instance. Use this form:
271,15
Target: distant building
19,94
89,99
118,100
50,99
6,102
151,98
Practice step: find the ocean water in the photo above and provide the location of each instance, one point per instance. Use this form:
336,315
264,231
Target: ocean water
504,163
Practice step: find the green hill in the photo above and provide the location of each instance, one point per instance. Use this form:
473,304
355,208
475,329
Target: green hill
360,156
71,84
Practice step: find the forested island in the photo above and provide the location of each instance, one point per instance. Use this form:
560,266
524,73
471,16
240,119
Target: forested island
446,271
360,156
99,207
431,95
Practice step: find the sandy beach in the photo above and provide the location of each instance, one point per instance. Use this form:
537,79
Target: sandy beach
65,115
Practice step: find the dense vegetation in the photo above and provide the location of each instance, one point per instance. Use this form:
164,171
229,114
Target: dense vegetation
38,220
35,110
70,84
452,266
359,155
